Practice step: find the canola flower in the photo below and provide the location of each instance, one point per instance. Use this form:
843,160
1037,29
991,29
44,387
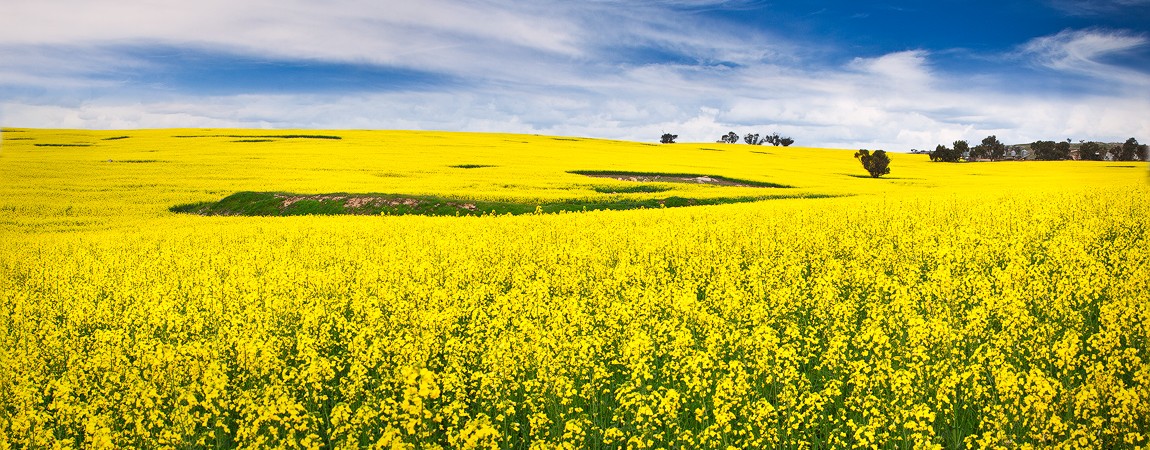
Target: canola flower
988,305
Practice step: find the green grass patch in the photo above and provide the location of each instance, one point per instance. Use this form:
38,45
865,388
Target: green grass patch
302,136
20,139
288,204
115,138
255,140
471,166
63,145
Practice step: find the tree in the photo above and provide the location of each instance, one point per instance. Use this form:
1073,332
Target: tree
878,164
730,138
962,149
989,148
1091,151
1131,151
786,142
752,139
1062,150
1043,150
1049,150
979,152
1115,153
943,153
668,138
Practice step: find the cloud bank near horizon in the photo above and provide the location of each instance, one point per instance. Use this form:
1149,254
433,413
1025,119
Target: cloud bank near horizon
602,68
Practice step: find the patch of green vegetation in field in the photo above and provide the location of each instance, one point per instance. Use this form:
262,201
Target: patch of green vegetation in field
63,145
471,166
288,204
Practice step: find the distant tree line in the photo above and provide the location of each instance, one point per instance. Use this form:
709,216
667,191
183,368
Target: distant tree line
992,150
732,138
756,139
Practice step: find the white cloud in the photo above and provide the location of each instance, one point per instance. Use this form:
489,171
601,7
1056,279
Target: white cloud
1082,52
426,33
538,67
1097,7
897,68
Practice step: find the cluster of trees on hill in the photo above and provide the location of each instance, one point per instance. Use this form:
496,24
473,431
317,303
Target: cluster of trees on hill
992,150
756,139
732,138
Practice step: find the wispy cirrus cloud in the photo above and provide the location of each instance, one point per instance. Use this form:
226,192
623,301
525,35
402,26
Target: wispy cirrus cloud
1086,52
1099,7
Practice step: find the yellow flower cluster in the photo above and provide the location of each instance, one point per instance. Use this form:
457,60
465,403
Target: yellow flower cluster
950,306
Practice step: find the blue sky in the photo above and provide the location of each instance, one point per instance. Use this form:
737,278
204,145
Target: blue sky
897,74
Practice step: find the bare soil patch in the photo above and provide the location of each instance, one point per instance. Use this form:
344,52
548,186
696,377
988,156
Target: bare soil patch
369,204
645,177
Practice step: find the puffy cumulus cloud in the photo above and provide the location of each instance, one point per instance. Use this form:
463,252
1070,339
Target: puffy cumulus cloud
897,68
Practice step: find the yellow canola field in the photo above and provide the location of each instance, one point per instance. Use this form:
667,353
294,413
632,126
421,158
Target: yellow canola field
977,305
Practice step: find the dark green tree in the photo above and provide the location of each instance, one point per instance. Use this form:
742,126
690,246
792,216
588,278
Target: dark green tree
752,139
668,138
730,138
943,153
1091,151
786,142
878,163
1062,150
1131,151
1115,152
989,148
962,148
1045,150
